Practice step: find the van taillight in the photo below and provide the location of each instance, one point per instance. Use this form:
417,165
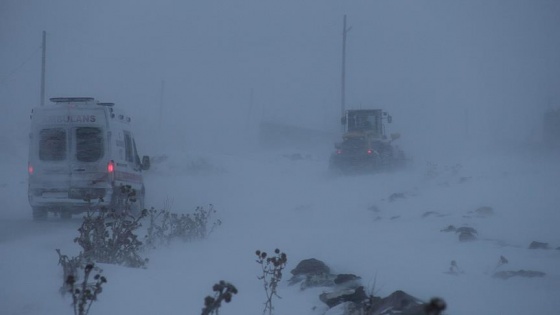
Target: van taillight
30,169
111,170
369,151
111,167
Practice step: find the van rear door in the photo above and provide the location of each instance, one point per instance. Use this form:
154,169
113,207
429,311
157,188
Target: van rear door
88,165
51,178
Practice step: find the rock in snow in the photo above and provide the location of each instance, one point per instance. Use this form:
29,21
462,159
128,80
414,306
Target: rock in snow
538,245
346,295
310,266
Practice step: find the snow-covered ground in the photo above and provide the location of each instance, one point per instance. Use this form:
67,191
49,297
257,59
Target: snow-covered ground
201,77
267,200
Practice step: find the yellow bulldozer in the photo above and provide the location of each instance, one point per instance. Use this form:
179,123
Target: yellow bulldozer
365,146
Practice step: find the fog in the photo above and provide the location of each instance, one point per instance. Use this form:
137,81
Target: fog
466,82
448,71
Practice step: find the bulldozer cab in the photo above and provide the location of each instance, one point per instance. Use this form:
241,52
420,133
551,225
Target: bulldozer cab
365,146
368,121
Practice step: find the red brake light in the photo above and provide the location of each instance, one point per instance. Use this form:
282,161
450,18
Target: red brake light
30,169
111,167
338,151
369,151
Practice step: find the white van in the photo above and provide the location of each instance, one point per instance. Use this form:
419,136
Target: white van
82,153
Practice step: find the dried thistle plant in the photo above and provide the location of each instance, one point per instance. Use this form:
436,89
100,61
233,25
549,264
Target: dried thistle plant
85,293
271,275
224,291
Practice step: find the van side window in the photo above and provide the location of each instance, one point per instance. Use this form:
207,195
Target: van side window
128,147
52,144
89,144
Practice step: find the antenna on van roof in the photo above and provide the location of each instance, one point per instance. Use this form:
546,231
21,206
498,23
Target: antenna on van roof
71,99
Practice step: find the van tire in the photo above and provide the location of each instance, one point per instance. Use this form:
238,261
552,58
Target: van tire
40,214
116,203
140,198
138,206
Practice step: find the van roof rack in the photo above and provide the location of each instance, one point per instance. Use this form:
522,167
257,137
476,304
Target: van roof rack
71,99
106,104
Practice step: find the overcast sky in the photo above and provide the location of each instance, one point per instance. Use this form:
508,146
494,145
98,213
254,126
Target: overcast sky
443,68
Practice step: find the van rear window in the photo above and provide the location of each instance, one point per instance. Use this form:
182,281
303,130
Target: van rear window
89,144
52,144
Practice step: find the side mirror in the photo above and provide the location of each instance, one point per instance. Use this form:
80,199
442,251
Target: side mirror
389,119
395,136
145,162
343,120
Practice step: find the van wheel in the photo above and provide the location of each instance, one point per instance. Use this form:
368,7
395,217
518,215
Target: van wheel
116,203
137,206
140,205
40,213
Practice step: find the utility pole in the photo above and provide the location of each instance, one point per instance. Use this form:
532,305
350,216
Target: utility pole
343,84
161,95
251,95
43,66
467,122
